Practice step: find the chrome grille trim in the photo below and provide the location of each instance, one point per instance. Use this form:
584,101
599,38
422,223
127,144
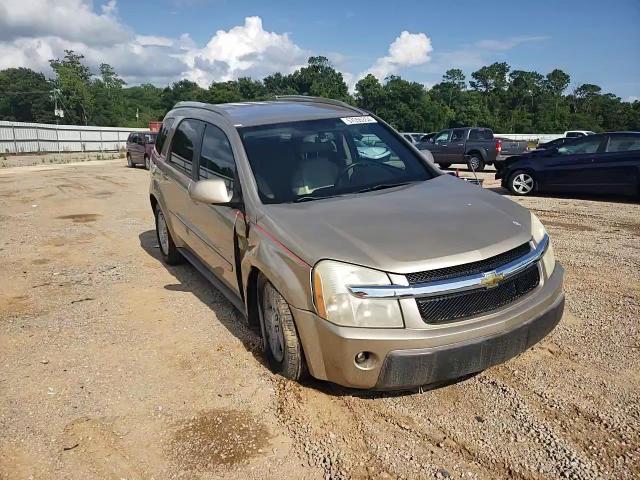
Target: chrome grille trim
460,284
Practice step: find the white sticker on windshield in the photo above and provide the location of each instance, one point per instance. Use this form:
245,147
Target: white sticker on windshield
358,120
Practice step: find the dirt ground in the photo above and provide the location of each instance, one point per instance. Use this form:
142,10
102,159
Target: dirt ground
114,366
7,161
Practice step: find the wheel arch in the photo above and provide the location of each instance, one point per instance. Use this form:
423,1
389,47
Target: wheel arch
481,153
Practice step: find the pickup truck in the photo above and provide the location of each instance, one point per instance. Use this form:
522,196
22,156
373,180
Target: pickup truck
474,146
512,147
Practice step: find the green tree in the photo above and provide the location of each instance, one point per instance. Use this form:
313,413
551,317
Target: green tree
108,98
320,79
25,96
73,79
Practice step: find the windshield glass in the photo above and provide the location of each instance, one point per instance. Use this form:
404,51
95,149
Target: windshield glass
317,159
150,137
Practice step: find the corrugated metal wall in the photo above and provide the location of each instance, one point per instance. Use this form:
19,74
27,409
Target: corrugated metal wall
532,137
18,137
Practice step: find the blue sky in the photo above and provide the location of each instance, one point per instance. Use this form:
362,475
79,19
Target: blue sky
594,42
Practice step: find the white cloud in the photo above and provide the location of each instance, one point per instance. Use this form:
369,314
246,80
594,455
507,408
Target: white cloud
153,40
69,19
34,31
632,98
407,50
244,50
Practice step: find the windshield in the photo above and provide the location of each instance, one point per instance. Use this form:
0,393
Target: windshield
150,137
317,159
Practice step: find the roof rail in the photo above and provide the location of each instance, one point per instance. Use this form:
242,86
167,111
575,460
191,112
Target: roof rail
311,99
203,106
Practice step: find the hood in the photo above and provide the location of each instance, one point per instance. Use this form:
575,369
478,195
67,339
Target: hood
439,222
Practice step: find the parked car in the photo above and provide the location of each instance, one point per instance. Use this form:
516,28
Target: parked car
139,147
370,274
558,142
413,137
599,163
578,133
474,146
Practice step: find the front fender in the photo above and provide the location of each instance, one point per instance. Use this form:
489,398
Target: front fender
289,274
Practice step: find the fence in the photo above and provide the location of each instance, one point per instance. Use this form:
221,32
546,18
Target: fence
531,137
19,137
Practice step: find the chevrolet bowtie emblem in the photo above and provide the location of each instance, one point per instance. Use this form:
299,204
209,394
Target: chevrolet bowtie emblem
491,279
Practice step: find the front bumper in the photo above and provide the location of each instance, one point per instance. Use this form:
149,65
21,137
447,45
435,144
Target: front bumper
410,357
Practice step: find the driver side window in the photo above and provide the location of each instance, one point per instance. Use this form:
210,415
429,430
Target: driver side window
442,137
587,145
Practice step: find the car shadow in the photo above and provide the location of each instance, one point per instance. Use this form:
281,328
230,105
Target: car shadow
190,280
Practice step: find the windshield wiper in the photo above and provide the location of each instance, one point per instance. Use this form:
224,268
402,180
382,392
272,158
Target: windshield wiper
308,198
381,186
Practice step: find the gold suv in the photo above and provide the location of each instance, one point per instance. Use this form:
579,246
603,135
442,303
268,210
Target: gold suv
357,258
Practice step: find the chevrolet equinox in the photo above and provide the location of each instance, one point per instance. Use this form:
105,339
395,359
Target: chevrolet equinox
358,260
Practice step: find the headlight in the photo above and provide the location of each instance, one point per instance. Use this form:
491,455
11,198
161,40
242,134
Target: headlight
538,232
335,304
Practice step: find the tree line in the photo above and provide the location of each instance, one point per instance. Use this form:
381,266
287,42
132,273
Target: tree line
505,100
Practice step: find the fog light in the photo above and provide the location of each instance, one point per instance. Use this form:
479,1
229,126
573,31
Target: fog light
362,357
366,360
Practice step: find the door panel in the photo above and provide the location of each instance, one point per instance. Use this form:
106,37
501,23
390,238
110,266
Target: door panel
179,175
455,148
439,149
571,168
215,225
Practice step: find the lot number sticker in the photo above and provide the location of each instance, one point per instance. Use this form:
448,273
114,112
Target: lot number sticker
358,120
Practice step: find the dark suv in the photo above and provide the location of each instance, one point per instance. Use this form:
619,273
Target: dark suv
139,147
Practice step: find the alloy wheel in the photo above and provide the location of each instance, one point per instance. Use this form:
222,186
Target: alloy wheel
522,183
272,323
163,233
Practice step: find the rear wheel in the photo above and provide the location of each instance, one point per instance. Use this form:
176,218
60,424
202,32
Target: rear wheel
146,162
476,163
280,340
521,183
168,250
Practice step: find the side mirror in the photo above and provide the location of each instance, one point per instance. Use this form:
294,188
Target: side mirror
211,191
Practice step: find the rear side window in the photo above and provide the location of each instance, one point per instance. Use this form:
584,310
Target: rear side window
184,143
474,134
162,134
458,135
216,157
488,134
624,143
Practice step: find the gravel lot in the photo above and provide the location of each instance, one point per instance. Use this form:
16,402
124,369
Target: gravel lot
114,366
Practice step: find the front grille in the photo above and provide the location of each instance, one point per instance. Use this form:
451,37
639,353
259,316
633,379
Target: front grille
455,306
472,268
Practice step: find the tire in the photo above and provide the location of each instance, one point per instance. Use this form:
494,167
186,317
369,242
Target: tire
477,162
280,341
444,166
129,162
147,162
168,251
521,183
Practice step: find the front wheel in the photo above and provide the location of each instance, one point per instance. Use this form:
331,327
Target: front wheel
129,162
280,340
476,163
146,162
521,183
